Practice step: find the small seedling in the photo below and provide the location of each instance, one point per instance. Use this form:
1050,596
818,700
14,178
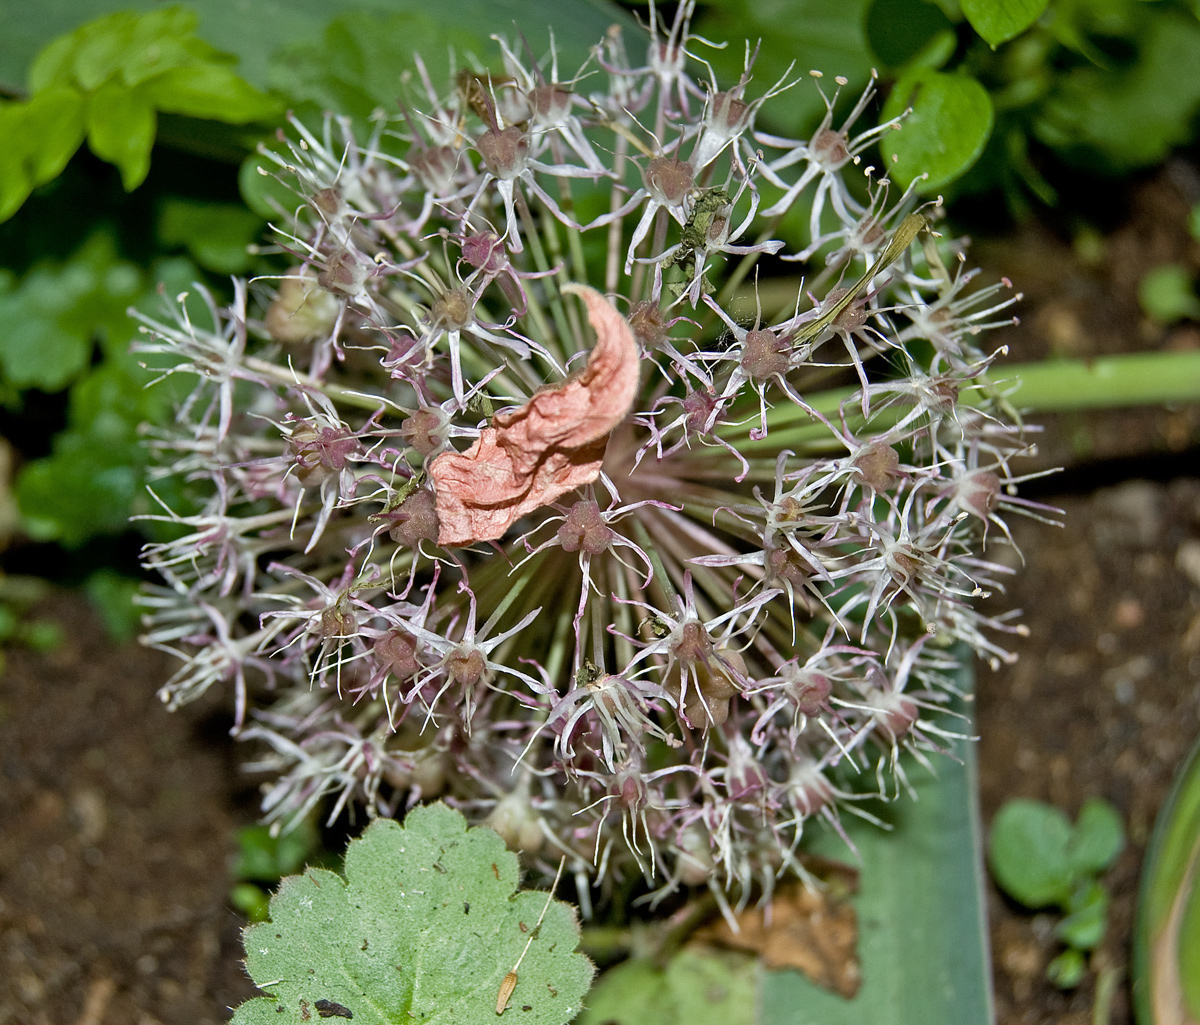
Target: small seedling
1040,860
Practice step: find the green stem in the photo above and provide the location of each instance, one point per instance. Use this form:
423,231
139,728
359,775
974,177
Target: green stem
1143,379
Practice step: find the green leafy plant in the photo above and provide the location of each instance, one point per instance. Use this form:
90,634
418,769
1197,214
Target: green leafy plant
1040,860
107,82
426,925
995,86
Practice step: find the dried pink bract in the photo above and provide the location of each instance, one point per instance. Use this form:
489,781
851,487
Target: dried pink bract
551,445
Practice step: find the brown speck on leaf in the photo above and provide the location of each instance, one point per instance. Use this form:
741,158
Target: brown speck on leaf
553,444
332,1009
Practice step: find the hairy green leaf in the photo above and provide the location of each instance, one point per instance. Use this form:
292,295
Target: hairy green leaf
424,927
1028,853
948,127
1000,20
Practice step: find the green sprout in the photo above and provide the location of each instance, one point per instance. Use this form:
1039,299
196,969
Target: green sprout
1040,860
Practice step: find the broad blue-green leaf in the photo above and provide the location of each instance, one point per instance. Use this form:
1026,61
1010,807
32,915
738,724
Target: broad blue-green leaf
424,927
1000,20
1097,838
922,928
1133,117
121,123
696,986
944,134
1166,939
1028,855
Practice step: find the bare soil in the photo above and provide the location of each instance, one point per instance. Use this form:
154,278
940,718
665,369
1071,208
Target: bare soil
117,819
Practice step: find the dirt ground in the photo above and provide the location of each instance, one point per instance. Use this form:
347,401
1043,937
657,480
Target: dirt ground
117,818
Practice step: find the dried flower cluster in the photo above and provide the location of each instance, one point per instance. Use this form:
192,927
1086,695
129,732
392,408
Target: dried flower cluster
609,567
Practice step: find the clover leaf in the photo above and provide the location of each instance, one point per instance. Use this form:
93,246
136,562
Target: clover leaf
425,926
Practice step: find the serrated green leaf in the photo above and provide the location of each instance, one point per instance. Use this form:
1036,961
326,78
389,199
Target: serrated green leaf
113,596
695,986
1027,853
942,137
58,114
52,66
121,123
1131,118
216,234
15,180
1000,20
424,926
825,35
899,29
84,488
212,91
1097,838
103,44
263,190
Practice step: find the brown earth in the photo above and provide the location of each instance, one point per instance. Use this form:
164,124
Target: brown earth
117,819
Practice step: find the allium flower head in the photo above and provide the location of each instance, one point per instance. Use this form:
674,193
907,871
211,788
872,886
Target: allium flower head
507,500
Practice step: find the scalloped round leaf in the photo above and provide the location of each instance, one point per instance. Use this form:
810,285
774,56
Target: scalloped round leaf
425,926
1027,852
946,131
1000,20
1098,837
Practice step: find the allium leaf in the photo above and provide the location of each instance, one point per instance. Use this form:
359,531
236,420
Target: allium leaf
424,927
1000,20
921,889
1166,940
951,120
